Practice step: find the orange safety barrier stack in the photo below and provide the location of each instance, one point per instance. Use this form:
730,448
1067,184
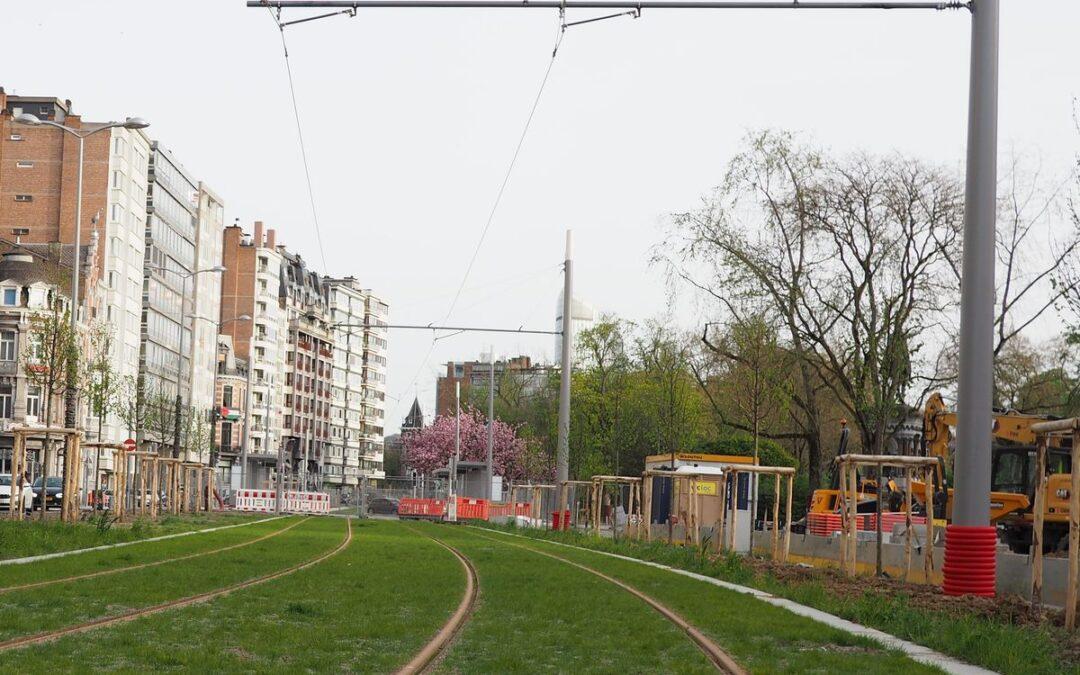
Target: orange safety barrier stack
509,509
825,524
472,509
411,507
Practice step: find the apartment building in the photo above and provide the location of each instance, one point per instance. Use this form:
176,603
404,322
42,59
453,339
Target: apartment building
166,356
518,371
359,383
231,398
206,298
31,277
38,174
376,316
250,286
308,368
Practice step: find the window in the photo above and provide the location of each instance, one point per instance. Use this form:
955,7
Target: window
20,231
117,213
5,401
23,198
7,345
45,110
33,401
11,296
226,435
24,164
226,396
116,179
16,137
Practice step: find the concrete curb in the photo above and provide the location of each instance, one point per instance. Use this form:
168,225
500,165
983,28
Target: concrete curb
913,651
62,554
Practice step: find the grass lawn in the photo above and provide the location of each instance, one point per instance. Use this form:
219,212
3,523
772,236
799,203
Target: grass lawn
762,638
367,609
36,610
994,644
535,614
145,552
33,537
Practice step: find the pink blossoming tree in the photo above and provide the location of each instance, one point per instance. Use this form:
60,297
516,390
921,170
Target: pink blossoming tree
515,458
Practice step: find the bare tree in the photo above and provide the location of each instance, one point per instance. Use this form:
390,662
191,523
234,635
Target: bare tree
852,255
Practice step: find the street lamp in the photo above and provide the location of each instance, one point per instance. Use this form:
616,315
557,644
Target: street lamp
34,121
180,350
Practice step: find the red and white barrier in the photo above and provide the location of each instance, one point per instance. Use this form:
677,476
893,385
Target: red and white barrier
265,501
825,524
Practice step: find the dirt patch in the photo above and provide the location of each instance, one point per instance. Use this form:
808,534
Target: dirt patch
240,653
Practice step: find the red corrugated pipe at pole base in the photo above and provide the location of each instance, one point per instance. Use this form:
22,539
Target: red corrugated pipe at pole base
970,560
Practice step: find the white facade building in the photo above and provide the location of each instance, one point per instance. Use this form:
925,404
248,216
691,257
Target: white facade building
206,302
268,337
122,235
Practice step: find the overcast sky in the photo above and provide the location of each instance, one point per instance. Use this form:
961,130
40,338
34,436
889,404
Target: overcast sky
411,116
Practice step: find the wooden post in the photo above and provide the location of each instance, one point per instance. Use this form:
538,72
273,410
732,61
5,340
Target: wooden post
18,468
842,498
1037,528
140,499
734,510
692,508
1074,536
646,510
720,524
787,524
853,519
776,517
907,523
155,488
928,545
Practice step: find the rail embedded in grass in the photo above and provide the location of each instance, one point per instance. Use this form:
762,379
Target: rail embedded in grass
24,612
721,659
178,603
366,609
957,627
60,539
442,640
537,616
154,563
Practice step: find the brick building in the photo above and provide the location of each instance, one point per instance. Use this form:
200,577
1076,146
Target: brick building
478,374
250,286
38,175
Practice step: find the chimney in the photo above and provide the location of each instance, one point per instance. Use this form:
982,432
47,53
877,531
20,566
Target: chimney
258,233
270,238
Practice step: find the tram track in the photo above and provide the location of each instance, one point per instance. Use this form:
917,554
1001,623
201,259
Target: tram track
154,563
102,622
720,659
432,653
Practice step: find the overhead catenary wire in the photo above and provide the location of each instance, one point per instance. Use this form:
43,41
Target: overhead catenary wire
513,161
299,127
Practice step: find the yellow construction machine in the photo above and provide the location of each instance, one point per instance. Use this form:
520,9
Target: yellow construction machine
1012,479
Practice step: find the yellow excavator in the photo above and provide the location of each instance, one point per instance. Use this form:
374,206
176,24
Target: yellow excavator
1012,478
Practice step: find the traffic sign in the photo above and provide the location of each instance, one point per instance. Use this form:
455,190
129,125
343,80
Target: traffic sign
129,445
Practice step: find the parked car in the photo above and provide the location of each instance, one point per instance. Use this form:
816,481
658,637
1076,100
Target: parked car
383,505
5,494
54,492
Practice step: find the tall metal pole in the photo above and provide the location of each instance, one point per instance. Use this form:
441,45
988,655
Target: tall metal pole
971,506
562,453
489,490
180,368
457,437
246,439
279,488
70,394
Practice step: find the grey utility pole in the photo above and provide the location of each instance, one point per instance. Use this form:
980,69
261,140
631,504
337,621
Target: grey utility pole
971,507
490,489
562,452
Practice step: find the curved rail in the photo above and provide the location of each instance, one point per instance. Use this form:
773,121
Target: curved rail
47,636
154,563
719,658
436,647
